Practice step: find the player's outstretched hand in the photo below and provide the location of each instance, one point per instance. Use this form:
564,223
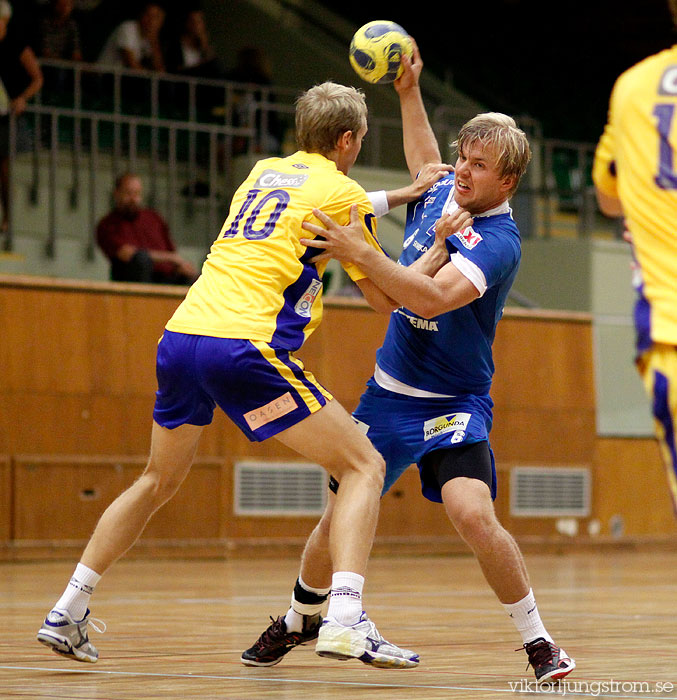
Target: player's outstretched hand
412,69
340,242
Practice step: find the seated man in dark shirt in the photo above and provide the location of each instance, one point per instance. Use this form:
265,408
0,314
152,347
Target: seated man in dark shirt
137,240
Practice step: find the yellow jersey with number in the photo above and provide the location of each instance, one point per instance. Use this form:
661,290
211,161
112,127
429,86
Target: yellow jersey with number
258,282
636,162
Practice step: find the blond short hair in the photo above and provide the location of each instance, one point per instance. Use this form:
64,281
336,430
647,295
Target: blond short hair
500,132
325,112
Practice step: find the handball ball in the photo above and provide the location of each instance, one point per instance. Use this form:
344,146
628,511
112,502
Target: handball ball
376,51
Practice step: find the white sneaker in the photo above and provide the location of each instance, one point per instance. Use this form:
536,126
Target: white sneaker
362,641
64,636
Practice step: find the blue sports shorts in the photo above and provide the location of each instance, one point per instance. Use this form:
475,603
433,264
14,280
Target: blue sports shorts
658,369
262,389
405,428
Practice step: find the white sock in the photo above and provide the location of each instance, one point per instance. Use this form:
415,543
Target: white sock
305,600
345,602
524,614
75,598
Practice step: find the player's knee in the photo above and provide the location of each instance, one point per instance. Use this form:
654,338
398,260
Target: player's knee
475,522
370,467
160,487
376,469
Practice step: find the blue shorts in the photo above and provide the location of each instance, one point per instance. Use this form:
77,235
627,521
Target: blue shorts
262,389
658,368
405,428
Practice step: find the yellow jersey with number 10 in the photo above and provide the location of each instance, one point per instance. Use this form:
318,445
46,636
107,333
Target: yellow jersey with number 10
635,161
257,282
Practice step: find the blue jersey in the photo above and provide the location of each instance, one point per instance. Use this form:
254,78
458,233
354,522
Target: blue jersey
451,353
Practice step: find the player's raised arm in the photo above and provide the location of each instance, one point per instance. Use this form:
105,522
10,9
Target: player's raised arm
420,144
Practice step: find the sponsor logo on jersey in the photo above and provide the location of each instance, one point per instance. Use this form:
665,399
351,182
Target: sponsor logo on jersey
468,237
444,182
424,324
304,305
451,422
271,411
273,178
420,247
668,84
408,240
300,166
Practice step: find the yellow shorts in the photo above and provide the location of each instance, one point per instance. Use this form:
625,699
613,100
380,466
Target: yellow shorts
658,369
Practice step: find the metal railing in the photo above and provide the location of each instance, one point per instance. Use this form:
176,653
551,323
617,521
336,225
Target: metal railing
91,115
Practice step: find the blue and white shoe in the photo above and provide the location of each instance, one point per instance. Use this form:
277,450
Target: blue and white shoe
64,636
362,641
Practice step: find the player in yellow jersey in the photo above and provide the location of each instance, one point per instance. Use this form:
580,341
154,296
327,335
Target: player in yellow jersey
635,176
231,343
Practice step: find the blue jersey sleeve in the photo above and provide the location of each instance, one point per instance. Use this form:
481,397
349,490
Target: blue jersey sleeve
494,246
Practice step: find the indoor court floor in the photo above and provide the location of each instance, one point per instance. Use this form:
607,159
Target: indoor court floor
176,629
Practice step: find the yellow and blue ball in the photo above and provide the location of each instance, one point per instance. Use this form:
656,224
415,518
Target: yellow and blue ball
376,51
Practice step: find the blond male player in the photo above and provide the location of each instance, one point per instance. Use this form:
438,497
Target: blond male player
231,343
428,402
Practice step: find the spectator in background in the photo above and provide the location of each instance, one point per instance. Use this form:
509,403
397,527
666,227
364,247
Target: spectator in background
137,241
58,32
252,67
136,42
191,53
58,37
20,79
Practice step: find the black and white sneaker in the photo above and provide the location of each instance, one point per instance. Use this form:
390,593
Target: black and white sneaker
550,663
276,641
362,641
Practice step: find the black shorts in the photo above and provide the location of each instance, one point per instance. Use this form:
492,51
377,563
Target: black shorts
472,461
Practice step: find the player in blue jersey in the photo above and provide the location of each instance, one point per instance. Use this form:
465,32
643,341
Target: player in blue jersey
428,401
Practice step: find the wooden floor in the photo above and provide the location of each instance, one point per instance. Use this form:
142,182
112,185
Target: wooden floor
176,630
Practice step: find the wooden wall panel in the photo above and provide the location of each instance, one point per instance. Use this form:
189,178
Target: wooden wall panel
63,497
6,505
631,494
78,379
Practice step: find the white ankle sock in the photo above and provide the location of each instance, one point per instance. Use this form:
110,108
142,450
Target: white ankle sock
524,614
311,602
345,602
75,598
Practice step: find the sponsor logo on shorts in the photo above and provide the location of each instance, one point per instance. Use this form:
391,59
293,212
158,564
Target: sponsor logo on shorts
273,178
468,237
458,436
304,305
364,428
451,422
271,411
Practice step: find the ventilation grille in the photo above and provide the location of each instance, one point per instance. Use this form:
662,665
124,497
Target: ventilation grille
550,491
279,488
